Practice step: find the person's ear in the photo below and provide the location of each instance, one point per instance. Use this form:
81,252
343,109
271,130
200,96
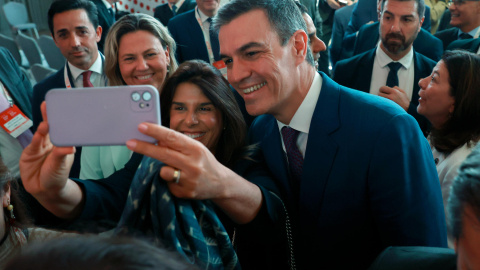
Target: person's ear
300,46
6,195
99,33
421,23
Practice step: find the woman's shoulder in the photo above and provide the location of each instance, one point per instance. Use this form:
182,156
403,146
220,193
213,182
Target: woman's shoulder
40,234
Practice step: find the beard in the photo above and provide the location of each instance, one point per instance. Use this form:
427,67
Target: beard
395,43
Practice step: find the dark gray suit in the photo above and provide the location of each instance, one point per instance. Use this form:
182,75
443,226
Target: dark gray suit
471,45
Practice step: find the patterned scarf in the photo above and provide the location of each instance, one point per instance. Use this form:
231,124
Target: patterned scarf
191,227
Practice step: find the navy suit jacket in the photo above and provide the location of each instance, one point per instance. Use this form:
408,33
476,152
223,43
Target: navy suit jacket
368,182
340,24
356,73
163,13
425,43
188,35
418,258
448,36
466,44
105,20
18,85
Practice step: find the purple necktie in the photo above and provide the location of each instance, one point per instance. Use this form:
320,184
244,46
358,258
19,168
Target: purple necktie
295,158
26,137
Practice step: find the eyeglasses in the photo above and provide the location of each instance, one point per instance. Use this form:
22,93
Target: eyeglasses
459,2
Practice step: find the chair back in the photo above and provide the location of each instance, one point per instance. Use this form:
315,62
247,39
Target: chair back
52,53
30,48
15,13
40,72
12,47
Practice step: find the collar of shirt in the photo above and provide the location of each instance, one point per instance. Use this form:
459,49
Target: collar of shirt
202,17
96,68
303,116
474,33
178,4
383,59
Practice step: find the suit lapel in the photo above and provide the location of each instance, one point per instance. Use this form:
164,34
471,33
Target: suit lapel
196,36
364,72
321,151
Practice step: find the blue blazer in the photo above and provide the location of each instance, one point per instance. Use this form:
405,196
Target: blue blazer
188,35
471,45
18,85
163,13
369,181
425,43
356,73
105,20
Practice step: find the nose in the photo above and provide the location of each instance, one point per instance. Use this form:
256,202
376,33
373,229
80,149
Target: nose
395,26
422,83
238,71
191,118
74,41
318,45
142,64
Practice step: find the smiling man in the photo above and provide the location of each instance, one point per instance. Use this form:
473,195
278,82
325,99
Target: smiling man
465,17
392,69
75,29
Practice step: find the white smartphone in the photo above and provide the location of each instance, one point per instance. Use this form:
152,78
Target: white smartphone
101,115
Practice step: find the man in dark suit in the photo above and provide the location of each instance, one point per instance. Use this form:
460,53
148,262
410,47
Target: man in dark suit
75,30
106,18
425,43
340,23
370,71
15,89
191,32
465,19
472,45
368,179
165,12
418,258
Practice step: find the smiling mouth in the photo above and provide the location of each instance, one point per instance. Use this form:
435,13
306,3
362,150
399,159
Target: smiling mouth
253,88
144,77
194,135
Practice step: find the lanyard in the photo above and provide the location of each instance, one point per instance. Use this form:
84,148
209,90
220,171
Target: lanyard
67,75
206,36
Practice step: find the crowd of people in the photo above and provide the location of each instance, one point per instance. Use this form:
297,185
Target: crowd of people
262,160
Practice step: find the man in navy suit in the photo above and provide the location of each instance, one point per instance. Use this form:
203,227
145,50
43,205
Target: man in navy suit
75,29
465,19
16,88
425,43
165,12
106,18
368,179
191,32
369,72
472,45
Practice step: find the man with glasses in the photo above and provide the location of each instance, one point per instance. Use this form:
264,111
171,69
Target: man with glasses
465,19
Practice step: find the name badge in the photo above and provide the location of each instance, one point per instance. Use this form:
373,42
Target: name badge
220,65
14,122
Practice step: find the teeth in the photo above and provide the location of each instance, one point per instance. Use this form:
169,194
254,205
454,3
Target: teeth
253,88
144,77
194,136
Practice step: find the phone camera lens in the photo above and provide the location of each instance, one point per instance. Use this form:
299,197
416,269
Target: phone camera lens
135,96
147,96
141,105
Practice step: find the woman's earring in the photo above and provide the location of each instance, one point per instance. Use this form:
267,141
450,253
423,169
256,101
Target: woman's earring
10,209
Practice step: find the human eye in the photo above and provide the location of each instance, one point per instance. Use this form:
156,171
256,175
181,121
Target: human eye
251,54
205,109
178,108
433,78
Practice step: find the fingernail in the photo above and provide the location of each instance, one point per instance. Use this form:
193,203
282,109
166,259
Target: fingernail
131,144
142,127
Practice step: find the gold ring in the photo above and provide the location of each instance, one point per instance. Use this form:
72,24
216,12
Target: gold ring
176,176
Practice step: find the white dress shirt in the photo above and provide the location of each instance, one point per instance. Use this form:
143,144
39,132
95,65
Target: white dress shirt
97,78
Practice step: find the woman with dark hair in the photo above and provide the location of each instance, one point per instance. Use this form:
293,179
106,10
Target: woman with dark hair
450,100
15,227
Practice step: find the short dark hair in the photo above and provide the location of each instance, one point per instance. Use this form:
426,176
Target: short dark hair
59,6
465,192
97,253
302,7
463,126
420,6
284,17
216,88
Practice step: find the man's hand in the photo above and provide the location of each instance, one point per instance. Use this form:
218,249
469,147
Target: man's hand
396,95
44,171
201,175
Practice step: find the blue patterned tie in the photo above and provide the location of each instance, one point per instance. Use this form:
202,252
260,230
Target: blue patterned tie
392,79
295,158
174,10
465,36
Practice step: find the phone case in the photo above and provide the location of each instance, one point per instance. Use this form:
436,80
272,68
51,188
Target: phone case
101,115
